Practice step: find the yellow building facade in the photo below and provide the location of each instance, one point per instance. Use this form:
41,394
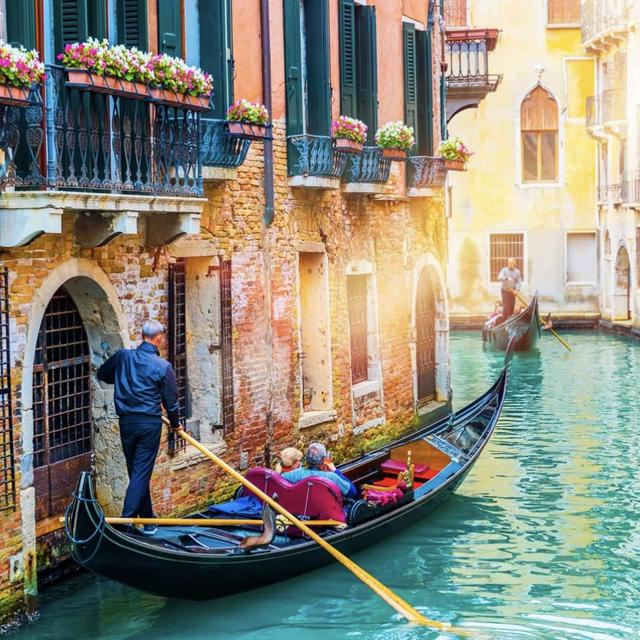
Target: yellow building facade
610,32
530,190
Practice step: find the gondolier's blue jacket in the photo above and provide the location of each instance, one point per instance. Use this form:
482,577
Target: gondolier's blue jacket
144,382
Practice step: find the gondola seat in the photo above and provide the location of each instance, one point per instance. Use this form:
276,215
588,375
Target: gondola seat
312,498
393,467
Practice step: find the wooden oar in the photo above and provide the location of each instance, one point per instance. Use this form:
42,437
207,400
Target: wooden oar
383,592
211,522
553,333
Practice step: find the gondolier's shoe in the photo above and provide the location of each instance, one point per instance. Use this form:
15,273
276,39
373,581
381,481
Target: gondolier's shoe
149,530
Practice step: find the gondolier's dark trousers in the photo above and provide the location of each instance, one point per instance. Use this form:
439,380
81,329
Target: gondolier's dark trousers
508,303
140,443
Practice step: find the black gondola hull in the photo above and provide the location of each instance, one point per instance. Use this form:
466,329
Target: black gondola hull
524,327
202,576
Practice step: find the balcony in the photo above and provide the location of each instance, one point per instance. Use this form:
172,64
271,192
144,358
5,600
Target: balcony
468,77
427,176
368,172
630,189
314,162
222,152
603,23
70,147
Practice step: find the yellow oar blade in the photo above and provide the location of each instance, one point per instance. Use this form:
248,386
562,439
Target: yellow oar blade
376,586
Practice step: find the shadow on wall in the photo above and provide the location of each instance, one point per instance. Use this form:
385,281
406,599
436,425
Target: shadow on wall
471,287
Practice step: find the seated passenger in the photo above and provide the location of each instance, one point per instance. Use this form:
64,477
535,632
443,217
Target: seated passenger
289,459
495,318
319,464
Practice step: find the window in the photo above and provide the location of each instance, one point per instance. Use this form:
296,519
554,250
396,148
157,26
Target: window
539,132
7,461
358,303
503,246
582,258
455,13
76,20
216,51
314,332
358,64
132,23
563,12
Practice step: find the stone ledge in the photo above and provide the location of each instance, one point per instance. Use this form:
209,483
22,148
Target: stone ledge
370,424
363,188
314,182
313,418
365,388
425,192
219,174
191,456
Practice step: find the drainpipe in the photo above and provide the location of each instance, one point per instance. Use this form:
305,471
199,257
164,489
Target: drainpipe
267,217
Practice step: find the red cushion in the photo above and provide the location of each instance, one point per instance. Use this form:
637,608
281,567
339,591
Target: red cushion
314,497
396,466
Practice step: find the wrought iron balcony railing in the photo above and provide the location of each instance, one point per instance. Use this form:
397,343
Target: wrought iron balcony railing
76,139
369,167
467,54
219,147
630,188
427,172
602,17
315,156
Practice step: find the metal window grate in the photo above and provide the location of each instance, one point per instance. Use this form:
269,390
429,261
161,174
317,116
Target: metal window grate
226,331
7,470
503,246
357,299
178,342
61,403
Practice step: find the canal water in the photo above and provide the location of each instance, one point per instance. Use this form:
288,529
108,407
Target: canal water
542,540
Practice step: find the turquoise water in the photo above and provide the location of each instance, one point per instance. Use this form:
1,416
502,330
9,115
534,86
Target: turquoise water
541,541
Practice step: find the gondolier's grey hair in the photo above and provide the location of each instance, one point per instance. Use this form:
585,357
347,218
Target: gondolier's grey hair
152,328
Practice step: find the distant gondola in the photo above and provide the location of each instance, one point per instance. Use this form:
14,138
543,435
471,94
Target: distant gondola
200,563
524,327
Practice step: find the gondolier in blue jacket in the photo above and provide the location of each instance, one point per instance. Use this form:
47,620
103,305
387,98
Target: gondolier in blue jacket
144,382
511,281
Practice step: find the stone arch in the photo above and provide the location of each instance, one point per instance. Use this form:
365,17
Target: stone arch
97,303
427,271
622,285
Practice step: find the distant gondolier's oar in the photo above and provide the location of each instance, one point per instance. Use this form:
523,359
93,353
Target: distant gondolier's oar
553,333
384,592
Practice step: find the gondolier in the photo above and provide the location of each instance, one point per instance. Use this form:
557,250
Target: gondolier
511,281
144,383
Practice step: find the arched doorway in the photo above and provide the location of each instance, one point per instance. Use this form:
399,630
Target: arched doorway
62,431
622,286
425,339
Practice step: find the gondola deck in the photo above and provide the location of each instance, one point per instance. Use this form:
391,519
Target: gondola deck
201,563
524,327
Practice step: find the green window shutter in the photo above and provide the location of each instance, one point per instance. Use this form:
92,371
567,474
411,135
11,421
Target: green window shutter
170,27
76,20
410,79
293,67
132,23
21,24
348,64
215,51
367,57
425,93
316,22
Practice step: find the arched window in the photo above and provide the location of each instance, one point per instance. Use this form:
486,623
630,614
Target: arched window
539,135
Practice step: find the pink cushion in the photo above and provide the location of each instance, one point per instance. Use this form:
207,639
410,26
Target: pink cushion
316,498
396,466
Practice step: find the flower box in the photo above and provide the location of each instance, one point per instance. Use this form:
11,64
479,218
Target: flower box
455,165
394,154
247,130
348,146
15,96
85,79
180,100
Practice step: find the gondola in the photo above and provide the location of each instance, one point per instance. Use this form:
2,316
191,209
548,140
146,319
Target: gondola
201,563
524,327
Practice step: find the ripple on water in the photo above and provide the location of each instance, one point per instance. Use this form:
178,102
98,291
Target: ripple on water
540,543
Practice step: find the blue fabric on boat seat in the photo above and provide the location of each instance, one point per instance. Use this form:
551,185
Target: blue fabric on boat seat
246,507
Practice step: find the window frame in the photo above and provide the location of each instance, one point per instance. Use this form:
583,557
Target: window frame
525,253
559,25
560,168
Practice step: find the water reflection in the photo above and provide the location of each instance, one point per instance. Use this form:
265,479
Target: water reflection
541,542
